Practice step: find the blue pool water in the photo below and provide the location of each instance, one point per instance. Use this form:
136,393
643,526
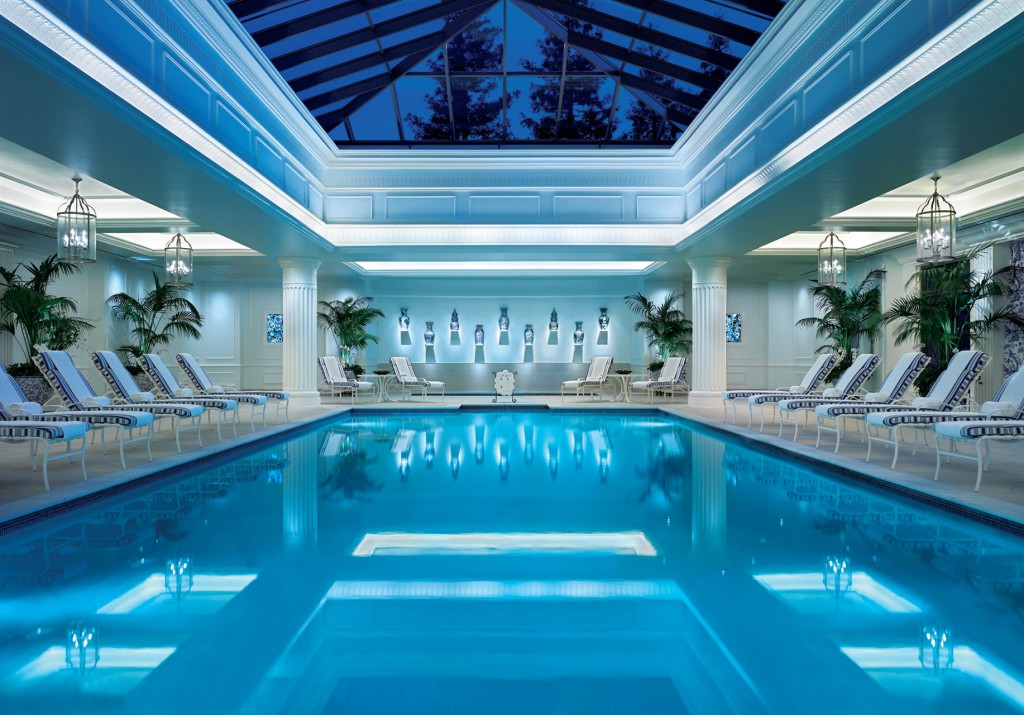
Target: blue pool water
495,562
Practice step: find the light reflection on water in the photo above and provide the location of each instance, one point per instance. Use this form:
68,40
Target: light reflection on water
537,562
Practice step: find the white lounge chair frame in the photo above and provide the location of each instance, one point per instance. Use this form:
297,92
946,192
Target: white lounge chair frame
669,379
168,387
814,376
75,392
15,406
124,390
893,388
198,376
595,380
406,380
848,385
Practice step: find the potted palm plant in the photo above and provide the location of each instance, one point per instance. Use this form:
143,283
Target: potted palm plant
32,316
848,315
666,325
156,318
348,320
939,313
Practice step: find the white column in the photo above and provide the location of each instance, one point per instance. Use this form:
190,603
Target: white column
299,370
708,316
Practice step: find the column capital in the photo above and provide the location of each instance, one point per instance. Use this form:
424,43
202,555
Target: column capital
299,270
709,266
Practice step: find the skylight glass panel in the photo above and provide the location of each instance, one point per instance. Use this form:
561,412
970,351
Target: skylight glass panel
625,12
396,9
376,121
478,48
522,115
478,109
423,103
397,38
636,121
321,91
522,37
585,106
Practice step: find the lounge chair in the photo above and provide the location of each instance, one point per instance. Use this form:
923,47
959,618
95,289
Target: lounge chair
49,434
978,432
813,378
848,384
168,387
195,372
595,379
335,378
669,380
75,392
1008,403
127,391
891,391
406,379
14,405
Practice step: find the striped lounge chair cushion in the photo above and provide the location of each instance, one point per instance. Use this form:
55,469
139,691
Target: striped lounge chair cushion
121,380
58,431
920,417
980,428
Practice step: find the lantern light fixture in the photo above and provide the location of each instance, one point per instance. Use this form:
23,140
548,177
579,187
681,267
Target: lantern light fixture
178,261
831,261
76,229
936,229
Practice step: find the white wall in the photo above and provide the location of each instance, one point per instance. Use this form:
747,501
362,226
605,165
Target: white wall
478,301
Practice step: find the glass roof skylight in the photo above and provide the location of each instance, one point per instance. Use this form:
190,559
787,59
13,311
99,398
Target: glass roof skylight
405,72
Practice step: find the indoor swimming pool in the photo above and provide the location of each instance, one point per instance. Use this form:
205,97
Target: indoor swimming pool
480,562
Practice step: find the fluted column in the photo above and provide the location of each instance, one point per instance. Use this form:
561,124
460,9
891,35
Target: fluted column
299,370
708,315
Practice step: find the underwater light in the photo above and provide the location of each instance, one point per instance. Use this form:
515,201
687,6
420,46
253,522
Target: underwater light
632,543
155,586
863,584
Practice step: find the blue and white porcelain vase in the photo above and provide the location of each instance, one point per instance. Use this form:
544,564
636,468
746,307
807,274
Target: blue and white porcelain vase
528,334
553,323
428,334
602,321
403,319
454,324
478,335
577,334
503,320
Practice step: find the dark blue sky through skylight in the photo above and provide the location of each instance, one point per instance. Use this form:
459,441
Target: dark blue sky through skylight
505,72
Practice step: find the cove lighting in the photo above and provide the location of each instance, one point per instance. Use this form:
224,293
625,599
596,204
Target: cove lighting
862,584
506,590
505,266
632,543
